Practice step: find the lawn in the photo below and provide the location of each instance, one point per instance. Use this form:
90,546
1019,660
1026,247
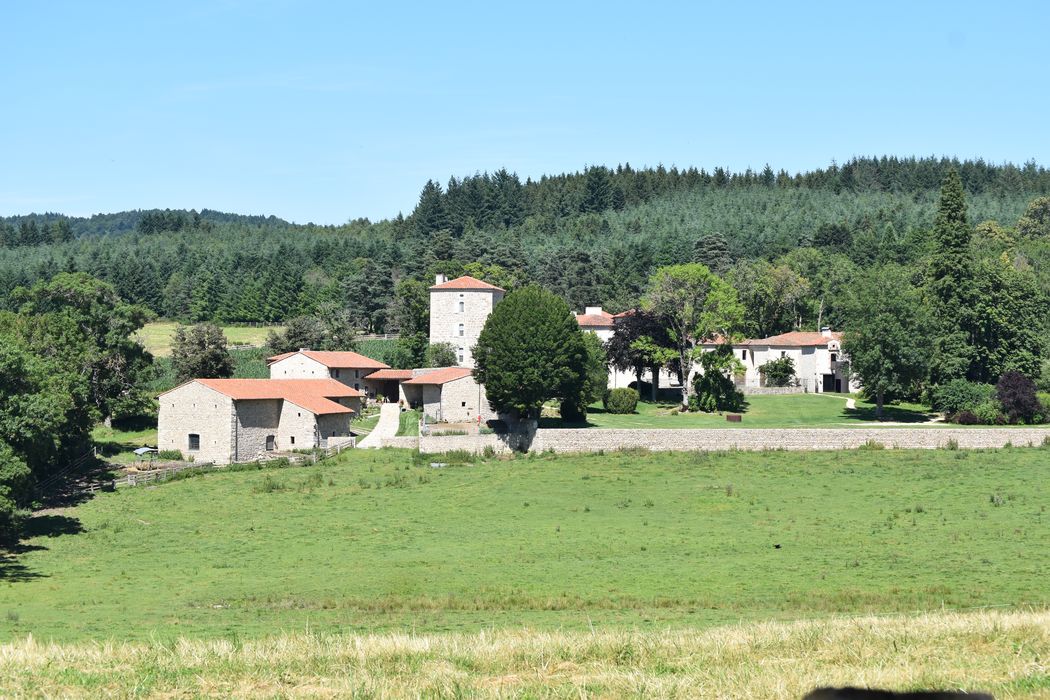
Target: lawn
409,424
158,336
774,411
117,445
380,541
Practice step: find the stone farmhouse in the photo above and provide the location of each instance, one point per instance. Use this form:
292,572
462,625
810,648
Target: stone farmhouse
241,420
349,368
819,363
447,395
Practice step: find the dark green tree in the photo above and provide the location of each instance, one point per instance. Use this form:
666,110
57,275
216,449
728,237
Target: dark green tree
440,355
712,250
952,289
887,335
598,191
530,350
200,352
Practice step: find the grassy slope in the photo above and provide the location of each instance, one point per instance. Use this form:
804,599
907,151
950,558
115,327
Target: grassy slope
378,541
785,411
157,337
409,424
1004,653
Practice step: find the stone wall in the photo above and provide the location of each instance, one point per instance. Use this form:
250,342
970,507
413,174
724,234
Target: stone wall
194,408
460,401
593,440
256,419
445,317
771,390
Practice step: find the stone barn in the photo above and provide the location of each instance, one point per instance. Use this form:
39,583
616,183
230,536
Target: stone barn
447,395
351,368
242,420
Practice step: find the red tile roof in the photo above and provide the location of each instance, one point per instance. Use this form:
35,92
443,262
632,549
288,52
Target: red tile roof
441,376
795,339
315,395
467,282
602,320
342,359
398,374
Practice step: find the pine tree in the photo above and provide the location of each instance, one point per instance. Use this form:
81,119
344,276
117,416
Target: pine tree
597,194
713,250
430,214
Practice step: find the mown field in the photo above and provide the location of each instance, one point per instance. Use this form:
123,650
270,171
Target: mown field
157,337
380,541
783,411
1004,653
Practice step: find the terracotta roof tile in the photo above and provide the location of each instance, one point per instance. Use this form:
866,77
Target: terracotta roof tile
441,376
603,320
342,359
795,339
398,374
315,395
467,282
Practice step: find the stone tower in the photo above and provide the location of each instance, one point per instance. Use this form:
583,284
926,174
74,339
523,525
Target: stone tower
458,309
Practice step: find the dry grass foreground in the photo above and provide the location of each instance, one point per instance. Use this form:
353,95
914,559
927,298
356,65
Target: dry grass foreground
1007,653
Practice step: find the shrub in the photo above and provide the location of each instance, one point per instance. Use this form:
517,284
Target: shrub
960,395
714,388
497,426
170,455
1017,395
778,372
621,401
966,418
988,413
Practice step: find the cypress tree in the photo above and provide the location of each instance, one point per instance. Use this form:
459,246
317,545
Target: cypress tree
712,250
952,288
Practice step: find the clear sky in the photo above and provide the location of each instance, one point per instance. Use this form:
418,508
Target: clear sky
327,111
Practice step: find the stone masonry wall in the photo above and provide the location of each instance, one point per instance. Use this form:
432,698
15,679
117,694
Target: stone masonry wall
194,408
593,440
256,418
445,317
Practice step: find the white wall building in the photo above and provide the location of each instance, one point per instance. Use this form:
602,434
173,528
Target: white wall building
349,368
458,310
819,363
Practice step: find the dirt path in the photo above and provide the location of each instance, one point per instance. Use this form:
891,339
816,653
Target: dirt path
389,422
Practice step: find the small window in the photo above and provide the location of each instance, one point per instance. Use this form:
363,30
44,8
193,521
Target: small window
357,374
299,415
194,442
743,354
292,439
271,443
335,373
783,353
357,387
461,306
834,357
461,330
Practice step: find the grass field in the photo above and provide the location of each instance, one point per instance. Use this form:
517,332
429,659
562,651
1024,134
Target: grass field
783,411
378,541
157,337
1004,653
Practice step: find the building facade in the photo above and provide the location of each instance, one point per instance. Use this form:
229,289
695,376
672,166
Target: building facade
349,368
243,420
458,310
447,395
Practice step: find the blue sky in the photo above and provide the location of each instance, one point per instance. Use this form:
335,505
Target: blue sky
326,111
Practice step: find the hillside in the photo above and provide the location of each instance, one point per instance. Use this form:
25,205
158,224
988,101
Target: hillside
593,237
380,541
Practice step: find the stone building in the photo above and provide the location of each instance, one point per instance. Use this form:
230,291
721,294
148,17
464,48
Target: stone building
349,368
242,420
458,310
601,323
447,395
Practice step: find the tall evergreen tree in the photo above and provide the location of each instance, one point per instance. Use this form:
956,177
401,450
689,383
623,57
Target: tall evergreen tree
951,288
712,250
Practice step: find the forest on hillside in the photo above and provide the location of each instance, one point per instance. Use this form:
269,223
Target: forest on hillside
790,243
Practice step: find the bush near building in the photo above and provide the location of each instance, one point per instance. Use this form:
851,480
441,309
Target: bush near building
621,401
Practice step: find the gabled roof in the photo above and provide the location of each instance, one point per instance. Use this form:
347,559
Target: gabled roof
396,374
341,359
314,395
468,282
441,376
602,320
796,339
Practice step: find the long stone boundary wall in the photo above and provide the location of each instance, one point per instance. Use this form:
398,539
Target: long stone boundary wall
593,440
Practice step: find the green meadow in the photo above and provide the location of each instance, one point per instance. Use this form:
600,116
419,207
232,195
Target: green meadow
379,541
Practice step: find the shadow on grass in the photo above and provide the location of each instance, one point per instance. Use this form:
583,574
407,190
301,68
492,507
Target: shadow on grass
51,525
890,414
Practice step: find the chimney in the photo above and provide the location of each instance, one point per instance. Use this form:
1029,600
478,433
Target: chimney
304,349
825,331
440,279
593,311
